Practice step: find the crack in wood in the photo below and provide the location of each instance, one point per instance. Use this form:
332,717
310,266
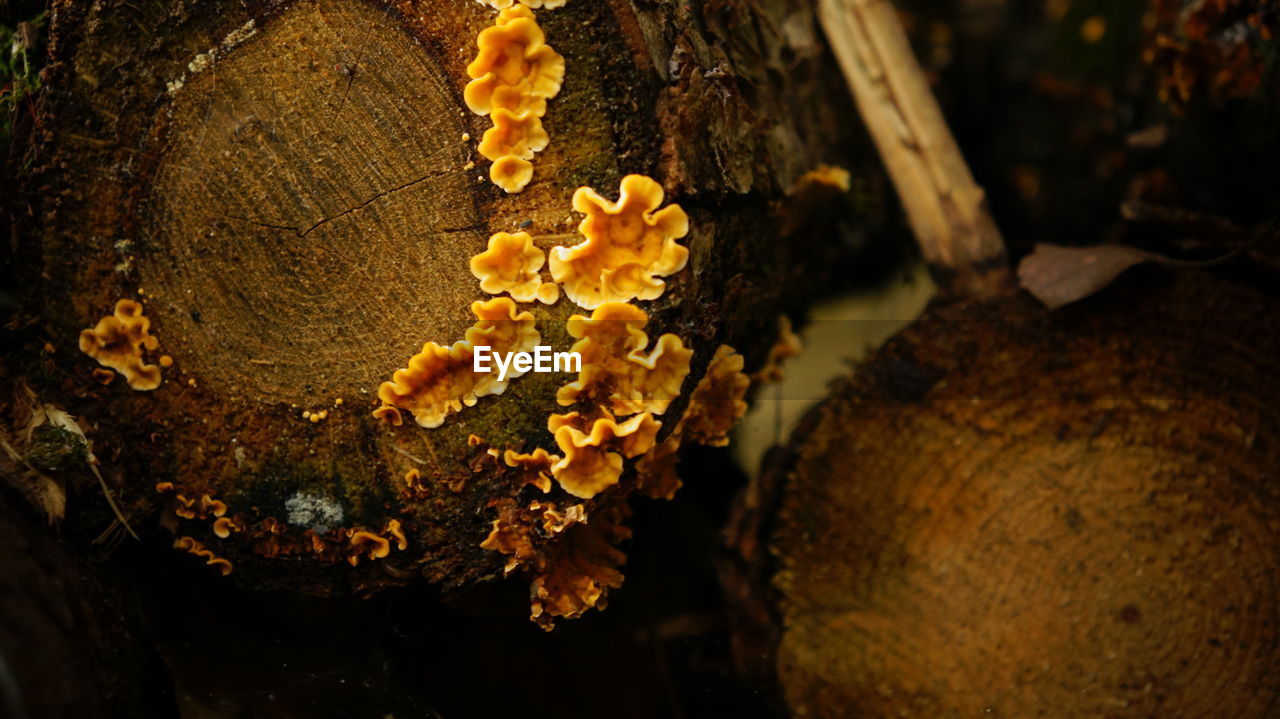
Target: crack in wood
300,232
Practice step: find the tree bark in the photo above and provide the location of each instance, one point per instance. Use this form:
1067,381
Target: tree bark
289,189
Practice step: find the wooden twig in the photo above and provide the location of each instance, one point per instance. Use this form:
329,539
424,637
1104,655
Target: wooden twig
947,210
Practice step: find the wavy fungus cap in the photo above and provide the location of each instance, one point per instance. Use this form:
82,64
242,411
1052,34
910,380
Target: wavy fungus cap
515,68
510,264
719,400
617,372
511,173
519,135
590,463
117,341
629,245
441,380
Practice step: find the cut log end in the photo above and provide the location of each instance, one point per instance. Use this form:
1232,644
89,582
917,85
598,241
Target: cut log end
308,231
1024,514
293,192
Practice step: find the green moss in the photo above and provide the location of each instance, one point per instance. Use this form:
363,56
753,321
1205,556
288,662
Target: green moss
21,56
54,449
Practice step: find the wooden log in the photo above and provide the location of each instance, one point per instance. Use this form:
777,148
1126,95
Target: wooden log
1008,511
292,192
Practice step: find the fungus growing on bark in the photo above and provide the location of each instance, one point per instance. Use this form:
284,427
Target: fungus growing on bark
502,329
515,69
656,471
211,506
511,173
537,465
191,546
787,345
511,4
367,544
516,135
616,371
629,245
185,508
837,178
571,575
510,264
590,463
548,293
715,406
413,484
717,403
224,526
118,340
394,529
580,569
440,380
513,76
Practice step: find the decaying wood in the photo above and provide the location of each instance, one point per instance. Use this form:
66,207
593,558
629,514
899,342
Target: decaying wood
292,191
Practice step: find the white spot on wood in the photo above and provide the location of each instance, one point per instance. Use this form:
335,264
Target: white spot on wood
313,511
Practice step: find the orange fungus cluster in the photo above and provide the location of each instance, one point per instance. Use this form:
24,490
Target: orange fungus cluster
118,340
513,75
629,245
439,381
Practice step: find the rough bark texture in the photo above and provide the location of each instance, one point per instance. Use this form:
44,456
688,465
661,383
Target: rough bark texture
286,187
1009,512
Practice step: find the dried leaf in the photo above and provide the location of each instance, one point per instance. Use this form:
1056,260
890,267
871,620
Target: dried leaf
1058,275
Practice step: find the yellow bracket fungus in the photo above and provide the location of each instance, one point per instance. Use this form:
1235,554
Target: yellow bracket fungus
513,75
440,381
502,330
118,341
629,245
397,533
511,173
367,544
617,373
224,526
715,406
537,463
205,507
191,546
363,543
589,465
511,4
511,264
717,403
516,135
